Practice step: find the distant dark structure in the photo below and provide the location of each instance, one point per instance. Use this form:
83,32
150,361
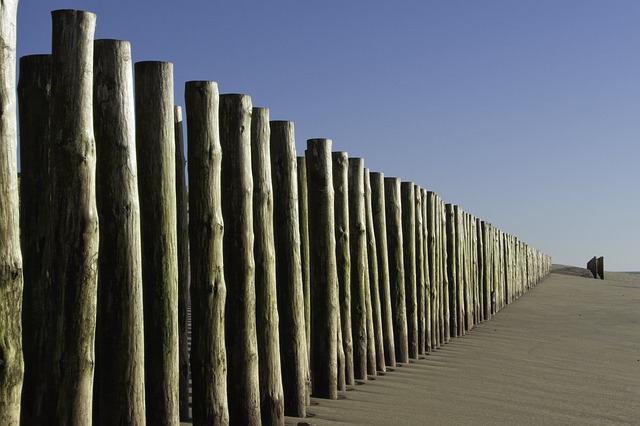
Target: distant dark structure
596,266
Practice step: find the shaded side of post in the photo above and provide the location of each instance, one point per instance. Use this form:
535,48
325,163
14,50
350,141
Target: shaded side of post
119,396
155,134
74,243
289,268
267,322
324,274
303,217
237,210
407,191
452,269
34,95
182,215
420,271
206,233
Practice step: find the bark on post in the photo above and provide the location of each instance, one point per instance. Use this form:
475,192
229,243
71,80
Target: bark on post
452,268
420,277
34,95
374,276
409,251
343,257
119,391
359,277
237,211
182,215
74,221
289,269
11,278
324,273
155,135
303,217
206,233
378,208
271,393
395,254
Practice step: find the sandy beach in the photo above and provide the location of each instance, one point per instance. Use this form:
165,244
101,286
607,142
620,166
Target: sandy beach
567,352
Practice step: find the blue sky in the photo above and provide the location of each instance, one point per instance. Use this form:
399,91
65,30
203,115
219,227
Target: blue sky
524,113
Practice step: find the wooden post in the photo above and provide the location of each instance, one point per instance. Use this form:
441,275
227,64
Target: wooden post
419,266
34,95
182,215
323,267
433,255
395,254
343,257
426,272
374,277
237,211
303,217
359,276
119,391
289,254
452,268
206,234
380,229
74,239
409,250
267,322
155,134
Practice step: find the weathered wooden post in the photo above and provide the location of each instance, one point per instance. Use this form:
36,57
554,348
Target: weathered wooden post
34,95
119,392
426,273
420,275
395,254
303,217
445,314
340,166
182,215
374,276
323,267
74,238
409,250
11,277
433,255
289,268
237,211
155,135
206,234
267,321
380,230
359,276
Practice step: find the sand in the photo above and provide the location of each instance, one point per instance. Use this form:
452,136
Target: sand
567,352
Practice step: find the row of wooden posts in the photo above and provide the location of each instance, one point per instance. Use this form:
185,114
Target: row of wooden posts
304,274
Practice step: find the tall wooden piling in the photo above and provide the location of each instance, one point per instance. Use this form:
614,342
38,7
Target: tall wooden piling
379,214
184,276
420,271
34,95
395,254
155,135
452,270
343,257
237,211
409,251
267,322
433,256
374,276
206,234
289,268
74,238
303,217
119,390
324,274
11,277
359,266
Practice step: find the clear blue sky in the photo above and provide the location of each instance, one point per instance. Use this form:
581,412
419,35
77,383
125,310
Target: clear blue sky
524,113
